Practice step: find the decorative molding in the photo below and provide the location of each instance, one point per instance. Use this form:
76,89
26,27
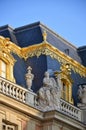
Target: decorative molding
6,56
8,47
44,34
43,48
65,76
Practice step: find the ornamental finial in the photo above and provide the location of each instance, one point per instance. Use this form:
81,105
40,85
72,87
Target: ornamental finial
66,68
29,78
44,35
29,68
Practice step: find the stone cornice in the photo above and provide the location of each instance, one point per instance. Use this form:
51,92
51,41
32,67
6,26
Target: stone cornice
21,107
44,117
57,116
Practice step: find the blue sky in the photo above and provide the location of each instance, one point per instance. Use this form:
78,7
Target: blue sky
65,17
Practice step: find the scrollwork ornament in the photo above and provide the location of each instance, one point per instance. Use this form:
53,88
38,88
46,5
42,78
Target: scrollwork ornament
44,48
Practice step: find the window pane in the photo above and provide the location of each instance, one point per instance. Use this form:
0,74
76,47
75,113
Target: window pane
6,126
10,128
3,127
3,66
2,69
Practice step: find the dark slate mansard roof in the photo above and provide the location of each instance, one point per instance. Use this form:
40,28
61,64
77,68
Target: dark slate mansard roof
32,34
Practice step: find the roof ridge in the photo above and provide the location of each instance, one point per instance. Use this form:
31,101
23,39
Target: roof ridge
28,25
57,35
18,29
6,26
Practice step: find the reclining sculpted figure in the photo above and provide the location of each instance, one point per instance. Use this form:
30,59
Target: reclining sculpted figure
49,94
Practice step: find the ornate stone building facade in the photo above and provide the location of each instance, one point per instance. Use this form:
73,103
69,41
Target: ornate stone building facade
42,80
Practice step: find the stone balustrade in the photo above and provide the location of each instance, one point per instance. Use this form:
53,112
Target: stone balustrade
12,90
70,110
19,93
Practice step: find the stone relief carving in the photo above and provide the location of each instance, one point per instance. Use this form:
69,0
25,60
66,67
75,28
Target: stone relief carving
82,93
49,94
29,78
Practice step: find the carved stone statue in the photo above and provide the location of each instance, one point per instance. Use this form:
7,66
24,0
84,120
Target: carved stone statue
29,78
49,94
59,82
82,93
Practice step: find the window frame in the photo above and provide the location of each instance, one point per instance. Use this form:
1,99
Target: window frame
9,125
9,60
65,93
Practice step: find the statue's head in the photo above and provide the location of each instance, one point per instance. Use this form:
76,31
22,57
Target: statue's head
46,74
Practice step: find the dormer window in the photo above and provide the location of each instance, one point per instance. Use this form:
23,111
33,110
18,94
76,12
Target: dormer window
67,51
65,82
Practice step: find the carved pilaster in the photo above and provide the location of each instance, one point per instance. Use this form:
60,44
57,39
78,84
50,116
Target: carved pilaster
30,98
0,122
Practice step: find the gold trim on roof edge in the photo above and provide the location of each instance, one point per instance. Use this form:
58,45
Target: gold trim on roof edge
6,56
43,48
7,46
